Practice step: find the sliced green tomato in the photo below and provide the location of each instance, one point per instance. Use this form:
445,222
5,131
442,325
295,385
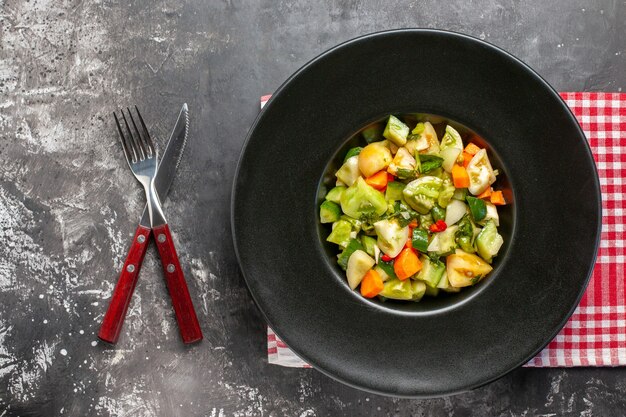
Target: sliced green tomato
443,243
419,240
342,258
358,265
334,195
430,137
356,224
396,131
362,200
460,194
417,142
447,191
422,193
353,152
425,221
329,212
455,211
373,158
440,173
465,243
449,156
391,236
478,208
420,203
340,234
411,145
397,290
444,284
402,161
394,191
443,281
480,173
349,171
489,242
393,148
451,139
431,272
369,245
492,214
465,269
418,289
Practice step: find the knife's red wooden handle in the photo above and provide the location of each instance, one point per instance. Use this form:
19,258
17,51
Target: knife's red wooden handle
181,300
115,314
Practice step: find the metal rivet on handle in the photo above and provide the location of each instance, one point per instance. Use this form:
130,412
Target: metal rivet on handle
130,268
161,238
141,238
171,268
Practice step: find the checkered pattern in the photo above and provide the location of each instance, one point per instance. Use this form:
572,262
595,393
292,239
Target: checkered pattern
595,335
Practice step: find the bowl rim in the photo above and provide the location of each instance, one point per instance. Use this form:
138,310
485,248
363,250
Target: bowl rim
495,49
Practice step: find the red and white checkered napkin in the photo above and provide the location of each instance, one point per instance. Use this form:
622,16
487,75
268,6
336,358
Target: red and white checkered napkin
595,335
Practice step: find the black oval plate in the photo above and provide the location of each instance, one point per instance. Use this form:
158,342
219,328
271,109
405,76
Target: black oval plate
536,285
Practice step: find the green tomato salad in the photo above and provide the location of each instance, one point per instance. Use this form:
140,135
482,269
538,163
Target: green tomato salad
414,212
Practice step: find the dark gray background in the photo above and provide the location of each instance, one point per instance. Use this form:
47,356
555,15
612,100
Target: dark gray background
68,203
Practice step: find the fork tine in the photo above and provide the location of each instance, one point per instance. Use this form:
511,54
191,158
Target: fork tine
147,136
142,140
135,141
129,151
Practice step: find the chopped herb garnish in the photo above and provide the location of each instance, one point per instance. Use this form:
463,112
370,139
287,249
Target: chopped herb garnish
429,162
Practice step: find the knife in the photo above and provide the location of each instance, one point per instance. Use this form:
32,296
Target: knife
120,300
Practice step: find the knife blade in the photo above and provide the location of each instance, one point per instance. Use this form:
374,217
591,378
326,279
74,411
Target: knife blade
170,160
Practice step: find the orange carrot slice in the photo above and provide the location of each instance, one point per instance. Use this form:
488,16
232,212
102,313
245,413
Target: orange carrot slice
460,177
372,284
378,180
466,159
497,198
406,264
472,149
486,194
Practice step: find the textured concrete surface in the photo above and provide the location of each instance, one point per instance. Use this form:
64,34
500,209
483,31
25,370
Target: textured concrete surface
68,203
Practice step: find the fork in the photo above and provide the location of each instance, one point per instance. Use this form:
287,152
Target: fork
142,157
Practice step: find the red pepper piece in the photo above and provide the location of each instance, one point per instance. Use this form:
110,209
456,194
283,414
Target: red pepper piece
386,258
438,226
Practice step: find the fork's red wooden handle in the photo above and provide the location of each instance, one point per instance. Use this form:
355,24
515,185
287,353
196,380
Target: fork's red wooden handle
115,314
181,300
